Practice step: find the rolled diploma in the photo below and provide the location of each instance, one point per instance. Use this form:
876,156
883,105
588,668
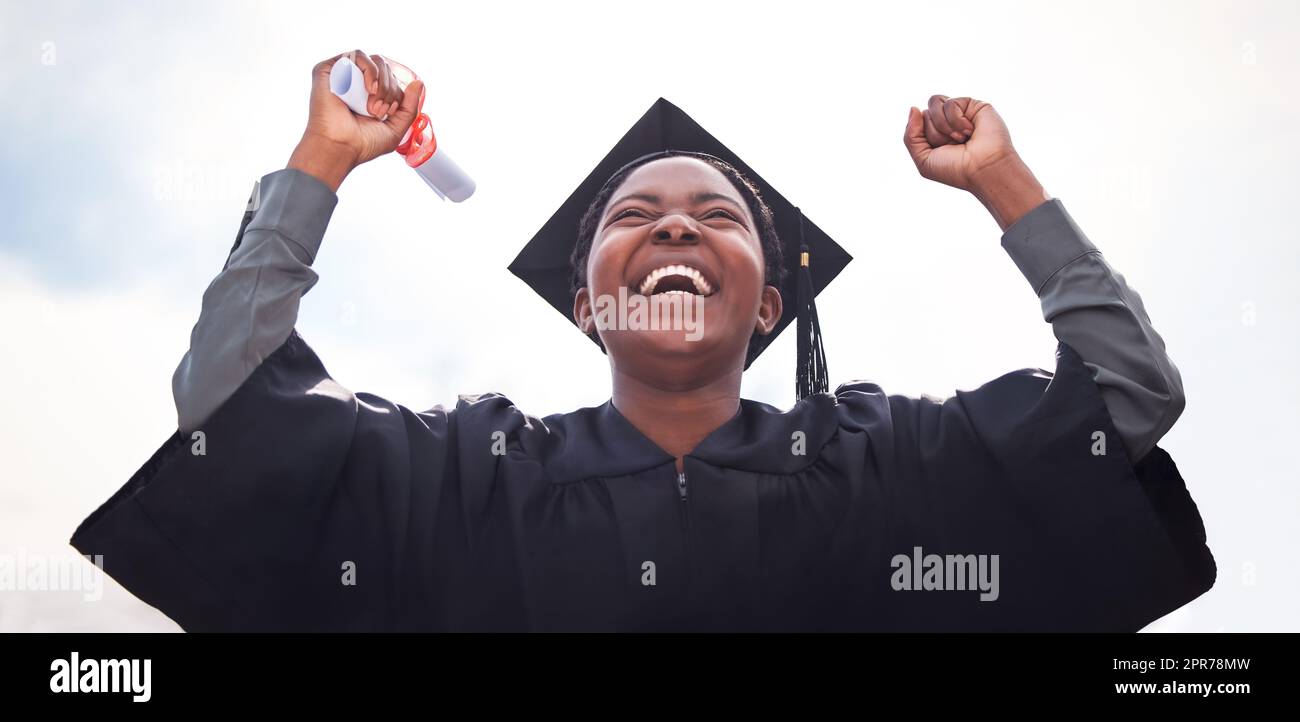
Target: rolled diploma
440,172
347,82
445,177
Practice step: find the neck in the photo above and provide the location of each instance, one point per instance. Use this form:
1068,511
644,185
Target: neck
677,420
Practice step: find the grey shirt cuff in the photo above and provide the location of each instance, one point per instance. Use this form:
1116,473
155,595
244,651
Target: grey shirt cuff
295,205
1044,241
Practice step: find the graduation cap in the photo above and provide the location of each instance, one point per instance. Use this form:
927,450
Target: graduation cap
812,259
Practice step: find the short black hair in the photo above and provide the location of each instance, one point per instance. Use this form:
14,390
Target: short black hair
773,255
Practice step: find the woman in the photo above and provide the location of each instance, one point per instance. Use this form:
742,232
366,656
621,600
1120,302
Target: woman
287,502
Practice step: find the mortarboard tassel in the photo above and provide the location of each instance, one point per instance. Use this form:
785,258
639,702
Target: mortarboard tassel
810,371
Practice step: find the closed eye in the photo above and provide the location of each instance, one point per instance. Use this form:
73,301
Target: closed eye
725,213
624,214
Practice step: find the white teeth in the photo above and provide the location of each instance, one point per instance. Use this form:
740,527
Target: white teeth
702,286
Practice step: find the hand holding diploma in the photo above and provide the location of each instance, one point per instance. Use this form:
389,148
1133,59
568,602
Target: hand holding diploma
337,140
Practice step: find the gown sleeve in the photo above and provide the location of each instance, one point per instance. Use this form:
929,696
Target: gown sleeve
1085,540
293,507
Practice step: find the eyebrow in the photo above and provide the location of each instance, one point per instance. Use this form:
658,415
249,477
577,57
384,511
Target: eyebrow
700,197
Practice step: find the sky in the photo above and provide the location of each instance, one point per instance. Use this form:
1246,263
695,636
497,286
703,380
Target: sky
131,134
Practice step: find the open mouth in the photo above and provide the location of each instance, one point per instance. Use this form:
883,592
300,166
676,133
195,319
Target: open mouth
677,278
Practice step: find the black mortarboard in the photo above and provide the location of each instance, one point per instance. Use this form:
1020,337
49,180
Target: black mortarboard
544,264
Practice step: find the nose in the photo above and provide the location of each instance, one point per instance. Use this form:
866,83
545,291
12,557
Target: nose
675,229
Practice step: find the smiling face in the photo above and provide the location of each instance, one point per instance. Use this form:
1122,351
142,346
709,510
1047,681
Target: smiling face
677,226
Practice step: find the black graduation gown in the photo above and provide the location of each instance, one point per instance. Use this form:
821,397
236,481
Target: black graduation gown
483,518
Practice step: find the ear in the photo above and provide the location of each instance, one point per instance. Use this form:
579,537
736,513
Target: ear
582,311
770,309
